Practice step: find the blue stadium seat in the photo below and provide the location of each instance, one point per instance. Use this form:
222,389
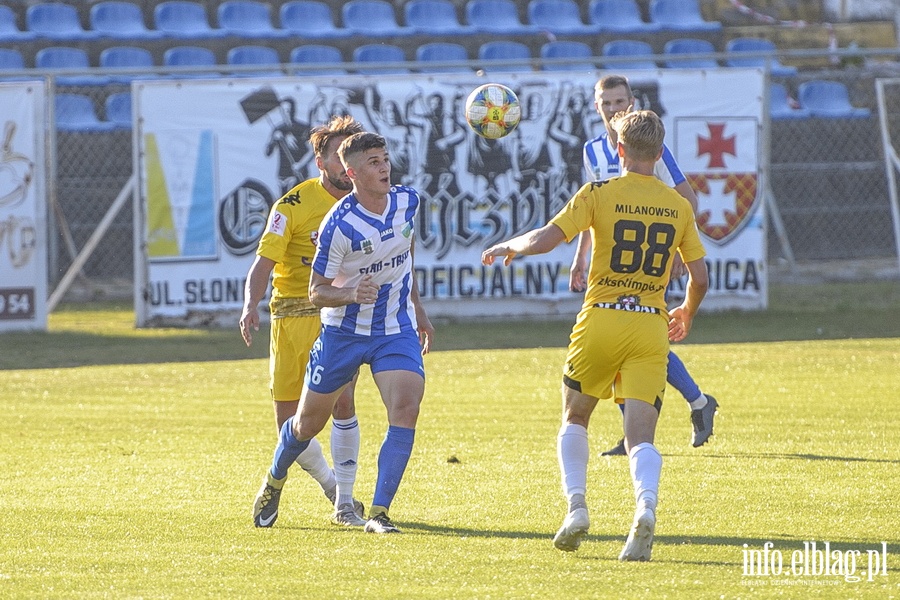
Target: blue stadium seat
690,46
11,60
75,112
502,50
436,52
434,17
184,19
9,29
618,16
310,19
121,20
191,56
372,18
559,17
377,54
248,19
125,57
764,51
250,55
317,54
56,21
55,58
631,48
495,16
576,51
680,15
829,100
780,107
118,110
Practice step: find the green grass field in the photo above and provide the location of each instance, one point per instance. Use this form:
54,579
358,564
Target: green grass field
130,460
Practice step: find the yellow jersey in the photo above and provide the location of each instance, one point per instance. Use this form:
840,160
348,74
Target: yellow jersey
637,222
290,241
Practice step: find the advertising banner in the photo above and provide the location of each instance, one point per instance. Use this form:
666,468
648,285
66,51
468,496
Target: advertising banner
215,155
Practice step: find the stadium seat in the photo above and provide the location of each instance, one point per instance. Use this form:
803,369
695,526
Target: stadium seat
372,18
631,48
184,19
495,16
76,112
64,58
559,17
190,56
780,107
829,100
378,54
9,29
436,52
121,20
11,60
56,21
618,16
688,46
118,110
434,17
250,55
761,51
315,54
504,50
575,51
248,19
124,57
310,19
680,15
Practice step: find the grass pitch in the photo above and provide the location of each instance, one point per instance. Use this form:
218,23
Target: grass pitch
136,480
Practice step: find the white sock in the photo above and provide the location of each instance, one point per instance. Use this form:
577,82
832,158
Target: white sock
313,462
573,453
345,456
699,402
646,465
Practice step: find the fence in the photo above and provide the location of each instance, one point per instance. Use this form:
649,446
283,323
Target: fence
827,179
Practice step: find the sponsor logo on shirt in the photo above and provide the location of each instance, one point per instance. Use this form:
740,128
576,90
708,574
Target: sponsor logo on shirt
278,223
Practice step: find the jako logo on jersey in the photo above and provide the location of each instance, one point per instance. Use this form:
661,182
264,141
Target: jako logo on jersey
367,247
389,232
278,223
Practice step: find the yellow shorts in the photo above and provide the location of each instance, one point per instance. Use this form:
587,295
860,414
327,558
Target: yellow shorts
289,345
618,354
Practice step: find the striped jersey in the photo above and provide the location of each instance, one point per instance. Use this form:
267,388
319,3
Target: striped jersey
601,162
354,242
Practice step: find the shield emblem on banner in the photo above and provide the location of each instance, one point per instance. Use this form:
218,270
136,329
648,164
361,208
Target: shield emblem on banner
719,157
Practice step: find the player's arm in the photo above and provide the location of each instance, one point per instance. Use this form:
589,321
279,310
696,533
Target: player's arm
254,290
681,317
323,293
579,270
537,241
426,329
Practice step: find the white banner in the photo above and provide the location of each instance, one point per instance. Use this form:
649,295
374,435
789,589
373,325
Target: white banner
23,207
216,154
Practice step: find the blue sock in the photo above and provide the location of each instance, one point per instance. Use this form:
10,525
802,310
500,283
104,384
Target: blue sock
681,380
392,460
289,448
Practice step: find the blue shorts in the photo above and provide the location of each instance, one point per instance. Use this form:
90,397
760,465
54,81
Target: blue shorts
336,357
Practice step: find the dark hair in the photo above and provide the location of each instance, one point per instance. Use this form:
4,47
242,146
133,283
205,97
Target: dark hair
613,81
337,127
360,142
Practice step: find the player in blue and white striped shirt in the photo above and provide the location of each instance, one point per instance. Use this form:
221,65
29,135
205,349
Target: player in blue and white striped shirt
363,280
613,94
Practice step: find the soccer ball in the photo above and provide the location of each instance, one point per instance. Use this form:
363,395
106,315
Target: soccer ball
492,110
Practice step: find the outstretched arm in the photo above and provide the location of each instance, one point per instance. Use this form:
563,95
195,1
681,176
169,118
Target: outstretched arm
537,241
682,317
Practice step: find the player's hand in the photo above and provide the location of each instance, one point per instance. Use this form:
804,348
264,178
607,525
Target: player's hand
366,292
426,331
249,322
488,256
678,268
679,324
577,276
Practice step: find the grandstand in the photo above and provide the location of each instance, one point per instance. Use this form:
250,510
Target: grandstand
801,33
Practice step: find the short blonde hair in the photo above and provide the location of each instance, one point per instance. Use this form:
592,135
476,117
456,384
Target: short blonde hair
641,132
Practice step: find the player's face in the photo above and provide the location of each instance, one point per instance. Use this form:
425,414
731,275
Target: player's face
611,101
371,171
331,167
